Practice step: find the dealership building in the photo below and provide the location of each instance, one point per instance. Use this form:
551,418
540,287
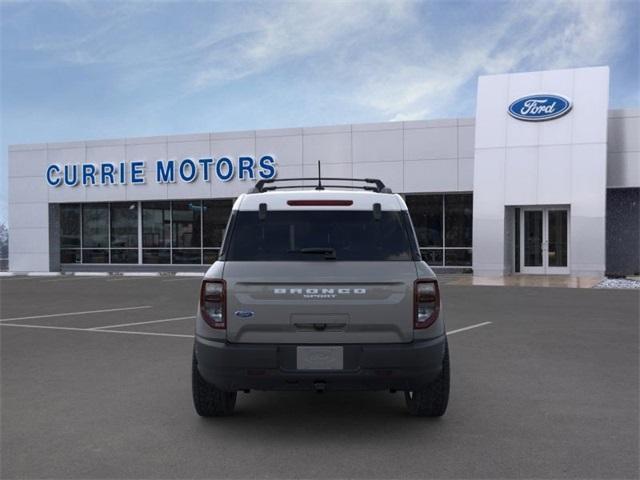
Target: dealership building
544,180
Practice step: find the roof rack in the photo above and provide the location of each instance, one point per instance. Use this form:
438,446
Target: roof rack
375,185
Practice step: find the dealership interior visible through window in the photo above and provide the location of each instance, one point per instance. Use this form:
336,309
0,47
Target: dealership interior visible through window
444,226
190,231
178,232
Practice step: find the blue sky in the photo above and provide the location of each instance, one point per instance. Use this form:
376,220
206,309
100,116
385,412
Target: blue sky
81,70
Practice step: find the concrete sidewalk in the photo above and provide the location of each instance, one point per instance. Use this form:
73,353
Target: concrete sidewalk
556,281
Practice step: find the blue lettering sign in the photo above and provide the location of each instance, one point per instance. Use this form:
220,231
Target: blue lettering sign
137,173
206,168
71,175
165,174
51,180
245,166
188,174
166,171
228,165
106,173
267,167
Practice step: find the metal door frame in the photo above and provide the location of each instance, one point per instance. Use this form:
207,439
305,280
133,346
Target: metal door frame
545,269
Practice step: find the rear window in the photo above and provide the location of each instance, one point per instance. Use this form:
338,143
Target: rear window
320,236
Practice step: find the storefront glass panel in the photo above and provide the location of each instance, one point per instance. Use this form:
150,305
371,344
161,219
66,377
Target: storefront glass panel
444,227
156,224
124,225
70,226
95,225
215,214
186,224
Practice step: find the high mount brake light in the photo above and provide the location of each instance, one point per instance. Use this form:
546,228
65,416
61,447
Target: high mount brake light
426,303
320,203
213,303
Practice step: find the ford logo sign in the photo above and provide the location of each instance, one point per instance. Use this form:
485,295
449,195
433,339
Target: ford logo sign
244,313
536,108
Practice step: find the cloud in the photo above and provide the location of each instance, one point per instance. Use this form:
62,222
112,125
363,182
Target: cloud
534,37
393,58
293,31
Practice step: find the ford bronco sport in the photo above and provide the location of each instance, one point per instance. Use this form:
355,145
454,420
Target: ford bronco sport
320,288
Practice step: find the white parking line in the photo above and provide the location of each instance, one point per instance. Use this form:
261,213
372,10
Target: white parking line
180,279
74,313
159,334
75,329
468,328
142,323
69,278
123,278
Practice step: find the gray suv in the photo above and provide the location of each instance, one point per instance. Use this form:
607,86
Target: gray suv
320,288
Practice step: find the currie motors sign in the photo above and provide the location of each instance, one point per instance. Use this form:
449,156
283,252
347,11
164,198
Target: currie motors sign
537,108
187,170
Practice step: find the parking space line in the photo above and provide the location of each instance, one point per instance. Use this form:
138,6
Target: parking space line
18,279
68,314
74,278
142,323
75,329
463,329
180,279
159,334
121,278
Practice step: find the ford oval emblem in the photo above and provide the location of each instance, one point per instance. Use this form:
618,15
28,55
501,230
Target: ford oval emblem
536,108
244,313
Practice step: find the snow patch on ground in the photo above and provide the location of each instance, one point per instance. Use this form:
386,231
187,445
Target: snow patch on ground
618,283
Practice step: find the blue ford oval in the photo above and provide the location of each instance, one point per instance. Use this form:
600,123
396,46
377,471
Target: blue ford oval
536,108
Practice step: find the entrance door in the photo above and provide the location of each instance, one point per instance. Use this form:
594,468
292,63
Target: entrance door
544,240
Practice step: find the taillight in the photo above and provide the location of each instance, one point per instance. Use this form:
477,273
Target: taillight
426,303
213,303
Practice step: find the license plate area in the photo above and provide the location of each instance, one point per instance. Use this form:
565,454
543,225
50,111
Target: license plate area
319,358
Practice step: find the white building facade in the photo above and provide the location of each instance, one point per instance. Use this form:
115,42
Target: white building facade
544,180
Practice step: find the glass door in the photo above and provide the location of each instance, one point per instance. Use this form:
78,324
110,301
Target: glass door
532,257
557,240
544,240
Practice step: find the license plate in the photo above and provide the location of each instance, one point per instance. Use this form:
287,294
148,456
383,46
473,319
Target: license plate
320,358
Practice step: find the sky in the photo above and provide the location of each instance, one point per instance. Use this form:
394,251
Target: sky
73,70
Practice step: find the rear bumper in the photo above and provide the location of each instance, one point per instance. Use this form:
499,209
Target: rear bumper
234,367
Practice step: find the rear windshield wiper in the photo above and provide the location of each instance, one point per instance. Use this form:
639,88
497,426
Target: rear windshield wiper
329,253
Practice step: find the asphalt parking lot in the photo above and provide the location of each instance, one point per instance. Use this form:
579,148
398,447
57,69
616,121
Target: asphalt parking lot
96,384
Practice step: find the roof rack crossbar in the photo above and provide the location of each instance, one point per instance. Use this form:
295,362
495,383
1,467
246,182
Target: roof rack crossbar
260,184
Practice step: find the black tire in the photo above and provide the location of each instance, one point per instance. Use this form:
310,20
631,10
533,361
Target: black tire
432,400
208,400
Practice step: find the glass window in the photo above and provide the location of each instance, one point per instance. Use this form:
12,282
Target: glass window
426,215
210,255
186,255
70,255
186,224
127,255
95,255
156,255
557,244
215,214
69,226
458,220
124,225
156,224
433,256
320,235
95,225
457,257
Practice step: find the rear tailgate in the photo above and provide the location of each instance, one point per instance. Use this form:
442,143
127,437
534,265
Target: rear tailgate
320,302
